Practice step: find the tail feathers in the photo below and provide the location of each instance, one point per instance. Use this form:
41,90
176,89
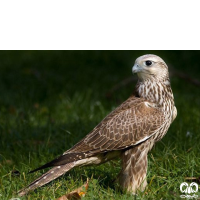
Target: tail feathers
62,160
47,177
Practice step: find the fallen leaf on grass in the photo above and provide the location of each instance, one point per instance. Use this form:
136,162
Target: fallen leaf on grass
76,194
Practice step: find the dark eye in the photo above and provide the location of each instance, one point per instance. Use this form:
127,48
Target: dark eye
148,63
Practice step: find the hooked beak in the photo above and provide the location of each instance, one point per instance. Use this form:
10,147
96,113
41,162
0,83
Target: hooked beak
136,68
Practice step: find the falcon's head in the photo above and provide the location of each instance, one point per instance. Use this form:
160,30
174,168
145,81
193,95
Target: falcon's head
150,67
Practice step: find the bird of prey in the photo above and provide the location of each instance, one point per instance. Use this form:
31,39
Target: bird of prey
129,132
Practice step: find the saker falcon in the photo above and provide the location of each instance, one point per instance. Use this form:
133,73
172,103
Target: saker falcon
129,132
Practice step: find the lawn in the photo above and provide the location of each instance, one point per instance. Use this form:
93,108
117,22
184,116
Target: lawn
49,100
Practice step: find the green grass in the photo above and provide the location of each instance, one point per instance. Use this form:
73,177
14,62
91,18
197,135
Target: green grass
50,100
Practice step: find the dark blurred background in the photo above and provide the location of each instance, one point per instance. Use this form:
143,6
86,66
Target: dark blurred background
41,75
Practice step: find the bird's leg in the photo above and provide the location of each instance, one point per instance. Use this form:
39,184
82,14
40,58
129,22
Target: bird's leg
134,169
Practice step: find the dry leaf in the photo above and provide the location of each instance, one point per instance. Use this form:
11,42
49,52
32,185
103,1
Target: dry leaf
76,194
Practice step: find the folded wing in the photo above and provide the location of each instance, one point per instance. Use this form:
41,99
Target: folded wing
131,123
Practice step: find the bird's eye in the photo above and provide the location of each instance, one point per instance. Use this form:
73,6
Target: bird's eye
148,63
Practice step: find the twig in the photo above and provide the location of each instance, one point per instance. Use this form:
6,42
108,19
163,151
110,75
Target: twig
121,84
197,179
185,77
173,72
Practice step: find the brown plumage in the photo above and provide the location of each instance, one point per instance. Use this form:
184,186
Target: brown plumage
130,131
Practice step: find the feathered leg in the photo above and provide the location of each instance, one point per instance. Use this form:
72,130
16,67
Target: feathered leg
134,169
52,174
